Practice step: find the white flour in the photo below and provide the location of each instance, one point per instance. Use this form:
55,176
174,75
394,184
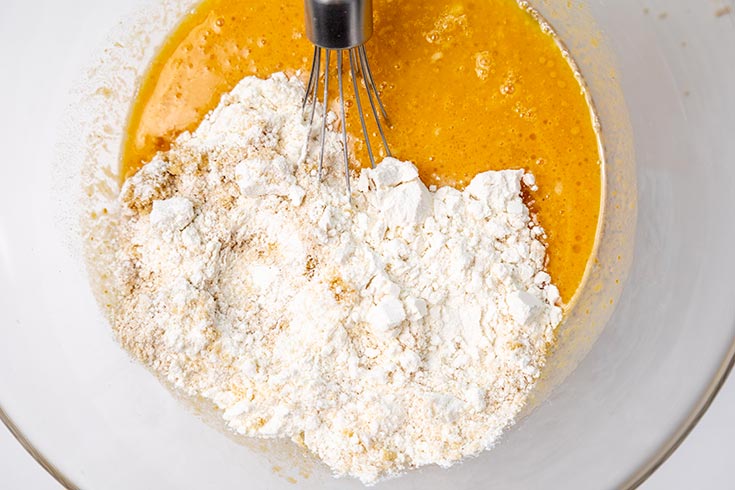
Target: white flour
404,329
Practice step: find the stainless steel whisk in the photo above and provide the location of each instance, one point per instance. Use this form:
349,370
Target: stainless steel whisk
339,26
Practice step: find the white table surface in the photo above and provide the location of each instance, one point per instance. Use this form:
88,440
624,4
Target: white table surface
703,462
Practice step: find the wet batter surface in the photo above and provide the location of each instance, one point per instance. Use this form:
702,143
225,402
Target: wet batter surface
469,86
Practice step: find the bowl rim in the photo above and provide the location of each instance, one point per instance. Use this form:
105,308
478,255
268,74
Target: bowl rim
637,478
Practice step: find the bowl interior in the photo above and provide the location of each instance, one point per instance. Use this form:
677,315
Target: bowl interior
622,381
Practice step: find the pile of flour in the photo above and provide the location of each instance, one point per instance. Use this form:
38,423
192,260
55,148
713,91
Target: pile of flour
400,329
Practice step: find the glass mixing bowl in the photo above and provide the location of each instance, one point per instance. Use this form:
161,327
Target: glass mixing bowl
640,357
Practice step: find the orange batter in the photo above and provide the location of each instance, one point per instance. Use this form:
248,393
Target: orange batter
469,85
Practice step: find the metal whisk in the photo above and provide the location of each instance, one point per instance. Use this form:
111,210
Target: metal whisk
342,26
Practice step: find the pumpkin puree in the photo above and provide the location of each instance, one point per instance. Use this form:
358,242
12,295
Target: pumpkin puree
469,85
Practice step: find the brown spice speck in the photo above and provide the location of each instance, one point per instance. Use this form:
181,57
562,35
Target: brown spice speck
340,289
311,264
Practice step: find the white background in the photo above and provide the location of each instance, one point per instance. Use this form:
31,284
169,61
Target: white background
703,462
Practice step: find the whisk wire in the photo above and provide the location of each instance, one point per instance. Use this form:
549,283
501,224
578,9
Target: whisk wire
326,110
312,75
344,120
353,73
312,90
370,87
314,96
368,74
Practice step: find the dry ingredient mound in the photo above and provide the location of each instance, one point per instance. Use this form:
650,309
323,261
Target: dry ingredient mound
400,329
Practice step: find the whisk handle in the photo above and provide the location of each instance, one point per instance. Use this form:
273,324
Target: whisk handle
339,24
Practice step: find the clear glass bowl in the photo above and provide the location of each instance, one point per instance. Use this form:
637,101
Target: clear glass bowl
643,352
